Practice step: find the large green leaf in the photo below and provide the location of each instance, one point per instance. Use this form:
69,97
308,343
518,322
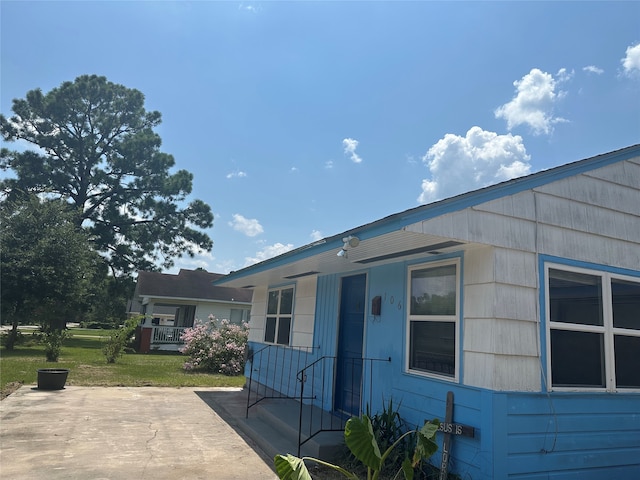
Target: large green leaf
289,467
407,469
359,437
426,445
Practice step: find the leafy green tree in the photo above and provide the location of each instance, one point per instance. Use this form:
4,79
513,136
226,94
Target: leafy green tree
47,264
107,300
95,147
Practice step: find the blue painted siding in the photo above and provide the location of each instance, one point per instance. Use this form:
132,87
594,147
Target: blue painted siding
571,435
515,432
519,435
277,367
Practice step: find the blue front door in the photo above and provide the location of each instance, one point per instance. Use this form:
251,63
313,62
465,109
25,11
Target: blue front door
350,340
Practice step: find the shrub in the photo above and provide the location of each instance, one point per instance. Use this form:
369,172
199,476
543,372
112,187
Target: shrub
388,427
215,346
119,339
52,340
361,441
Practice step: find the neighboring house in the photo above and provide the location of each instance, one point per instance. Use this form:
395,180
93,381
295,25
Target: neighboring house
171,303
521,298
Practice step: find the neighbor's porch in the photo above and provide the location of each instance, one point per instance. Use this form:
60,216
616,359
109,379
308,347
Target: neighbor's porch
159,337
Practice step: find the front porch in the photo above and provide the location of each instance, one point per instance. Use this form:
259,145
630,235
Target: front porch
159,338
305,398
273,424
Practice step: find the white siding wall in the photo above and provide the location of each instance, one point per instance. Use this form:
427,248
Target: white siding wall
258,313
500,347
592,217
304,313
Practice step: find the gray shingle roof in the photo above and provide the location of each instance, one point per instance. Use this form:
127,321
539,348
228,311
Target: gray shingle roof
196,284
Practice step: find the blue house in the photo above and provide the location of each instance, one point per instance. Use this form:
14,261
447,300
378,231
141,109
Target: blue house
522,299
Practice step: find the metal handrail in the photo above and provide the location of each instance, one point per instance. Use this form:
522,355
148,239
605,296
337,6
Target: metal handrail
286,361
303,376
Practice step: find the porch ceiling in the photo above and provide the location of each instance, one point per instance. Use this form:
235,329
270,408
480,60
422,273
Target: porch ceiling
382,249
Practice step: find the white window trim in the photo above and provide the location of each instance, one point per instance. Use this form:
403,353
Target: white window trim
277,315
451,318
606,329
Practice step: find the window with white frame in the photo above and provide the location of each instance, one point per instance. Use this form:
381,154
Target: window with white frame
279,316
593,329
239,315
433,310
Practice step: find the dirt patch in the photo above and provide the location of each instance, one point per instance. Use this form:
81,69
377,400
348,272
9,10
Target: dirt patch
9,388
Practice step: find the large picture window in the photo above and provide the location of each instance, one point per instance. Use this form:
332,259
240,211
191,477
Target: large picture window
593,329
279,315
433,310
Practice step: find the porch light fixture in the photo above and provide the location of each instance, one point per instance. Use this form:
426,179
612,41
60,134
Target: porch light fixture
349,242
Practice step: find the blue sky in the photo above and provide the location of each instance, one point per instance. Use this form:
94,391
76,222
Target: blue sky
300,120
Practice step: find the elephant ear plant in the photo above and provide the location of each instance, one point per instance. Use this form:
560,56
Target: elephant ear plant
361,441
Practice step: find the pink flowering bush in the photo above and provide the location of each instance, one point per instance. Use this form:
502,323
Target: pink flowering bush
215,346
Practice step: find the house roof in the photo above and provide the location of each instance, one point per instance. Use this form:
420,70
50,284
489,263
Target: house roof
191,284
385,239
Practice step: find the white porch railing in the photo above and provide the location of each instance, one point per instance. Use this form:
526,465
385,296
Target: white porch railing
167,335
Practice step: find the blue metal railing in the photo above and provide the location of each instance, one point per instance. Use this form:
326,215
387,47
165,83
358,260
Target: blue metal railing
320,375
272,372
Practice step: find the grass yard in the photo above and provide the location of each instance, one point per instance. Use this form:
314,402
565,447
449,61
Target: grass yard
82,355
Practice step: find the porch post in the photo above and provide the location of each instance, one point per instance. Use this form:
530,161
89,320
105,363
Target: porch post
145,339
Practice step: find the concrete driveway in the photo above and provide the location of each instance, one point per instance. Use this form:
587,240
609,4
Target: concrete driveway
96,433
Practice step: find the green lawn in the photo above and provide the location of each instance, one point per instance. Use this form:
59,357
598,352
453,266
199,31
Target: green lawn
82,355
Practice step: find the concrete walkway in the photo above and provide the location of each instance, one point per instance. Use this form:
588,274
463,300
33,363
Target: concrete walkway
140,433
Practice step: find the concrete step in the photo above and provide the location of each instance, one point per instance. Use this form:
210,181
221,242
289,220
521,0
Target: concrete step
281,418
272,424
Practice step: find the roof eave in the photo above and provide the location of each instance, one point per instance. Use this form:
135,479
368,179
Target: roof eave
402,219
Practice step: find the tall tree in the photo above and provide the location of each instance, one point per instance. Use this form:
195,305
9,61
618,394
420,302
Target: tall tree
95,147
48,265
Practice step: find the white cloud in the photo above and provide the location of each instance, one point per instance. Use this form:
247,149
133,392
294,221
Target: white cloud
294,170
593,69
316,235
248,8
564,75
328,164
224,266
460,164
534,102
249,226
631,61
267,252
237,174
350,145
